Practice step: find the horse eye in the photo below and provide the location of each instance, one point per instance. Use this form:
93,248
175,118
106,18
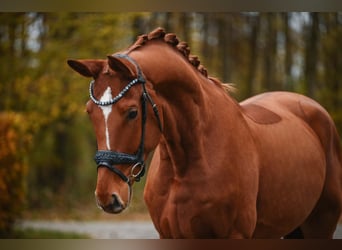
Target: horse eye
132,114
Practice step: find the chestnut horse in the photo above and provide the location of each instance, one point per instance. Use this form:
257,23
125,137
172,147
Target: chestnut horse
268,167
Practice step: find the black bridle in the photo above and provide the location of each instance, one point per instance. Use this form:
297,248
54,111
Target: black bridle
108,158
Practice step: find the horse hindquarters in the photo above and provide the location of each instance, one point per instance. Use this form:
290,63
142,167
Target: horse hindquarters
323,220
300,174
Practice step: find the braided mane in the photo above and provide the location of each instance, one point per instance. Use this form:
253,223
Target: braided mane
183,48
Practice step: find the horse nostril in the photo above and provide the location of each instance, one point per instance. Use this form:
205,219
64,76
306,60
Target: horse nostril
116,201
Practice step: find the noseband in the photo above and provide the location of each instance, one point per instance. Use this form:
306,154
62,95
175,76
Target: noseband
108,158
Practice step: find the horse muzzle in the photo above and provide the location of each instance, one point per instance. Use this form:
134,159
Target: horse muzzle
115,204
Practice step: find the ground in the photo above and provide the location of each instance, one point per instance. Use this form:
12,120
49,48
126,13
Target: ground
92,221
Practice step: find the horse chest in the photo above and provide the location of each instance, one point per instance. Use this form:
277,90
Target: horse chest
168,211
181,213
183,208
180,219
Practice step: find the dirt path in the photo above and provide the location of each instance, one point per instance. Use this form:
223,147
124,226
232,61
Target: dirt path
110,230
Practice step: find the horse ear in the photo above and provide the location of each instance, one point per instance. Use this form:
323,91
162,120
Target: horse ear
88,67
120,66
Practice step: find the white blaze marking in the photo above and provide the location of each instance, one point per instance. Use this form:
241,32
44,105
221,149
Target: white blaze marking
106,110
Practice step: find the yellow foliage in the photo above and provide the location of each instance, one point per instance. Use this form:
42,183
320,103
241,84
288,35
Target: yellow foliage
13,169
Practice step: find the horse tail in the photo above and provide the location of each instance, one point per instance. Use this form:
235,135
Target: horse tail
329,206
336,158
337,149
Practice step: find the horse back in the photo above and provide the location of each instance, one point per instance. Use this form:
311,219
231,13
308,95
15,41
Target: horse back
272,107
265,109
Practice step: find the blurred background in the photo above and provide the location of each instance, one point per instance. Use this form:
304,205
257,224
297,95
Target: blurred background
46,140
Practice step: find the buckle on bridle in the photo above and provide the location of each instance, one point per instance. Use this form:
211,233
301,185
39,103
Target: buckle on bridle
140,173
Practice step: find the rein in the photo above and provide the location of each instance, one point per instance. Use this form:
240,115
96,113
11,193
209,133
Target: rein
108,158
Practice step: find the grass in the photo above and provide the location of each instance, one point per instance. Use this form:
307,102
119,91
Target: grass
78,212
86,212
45,234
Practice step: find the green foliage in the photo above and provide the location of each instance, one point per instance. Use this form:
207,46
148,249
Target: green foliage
45,234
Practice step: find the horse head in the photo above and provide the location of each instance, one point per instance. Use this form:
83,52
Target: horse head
127,125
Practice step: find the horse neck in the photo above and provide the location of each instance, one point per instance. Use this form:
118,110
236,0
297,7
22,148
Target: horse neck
190,104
